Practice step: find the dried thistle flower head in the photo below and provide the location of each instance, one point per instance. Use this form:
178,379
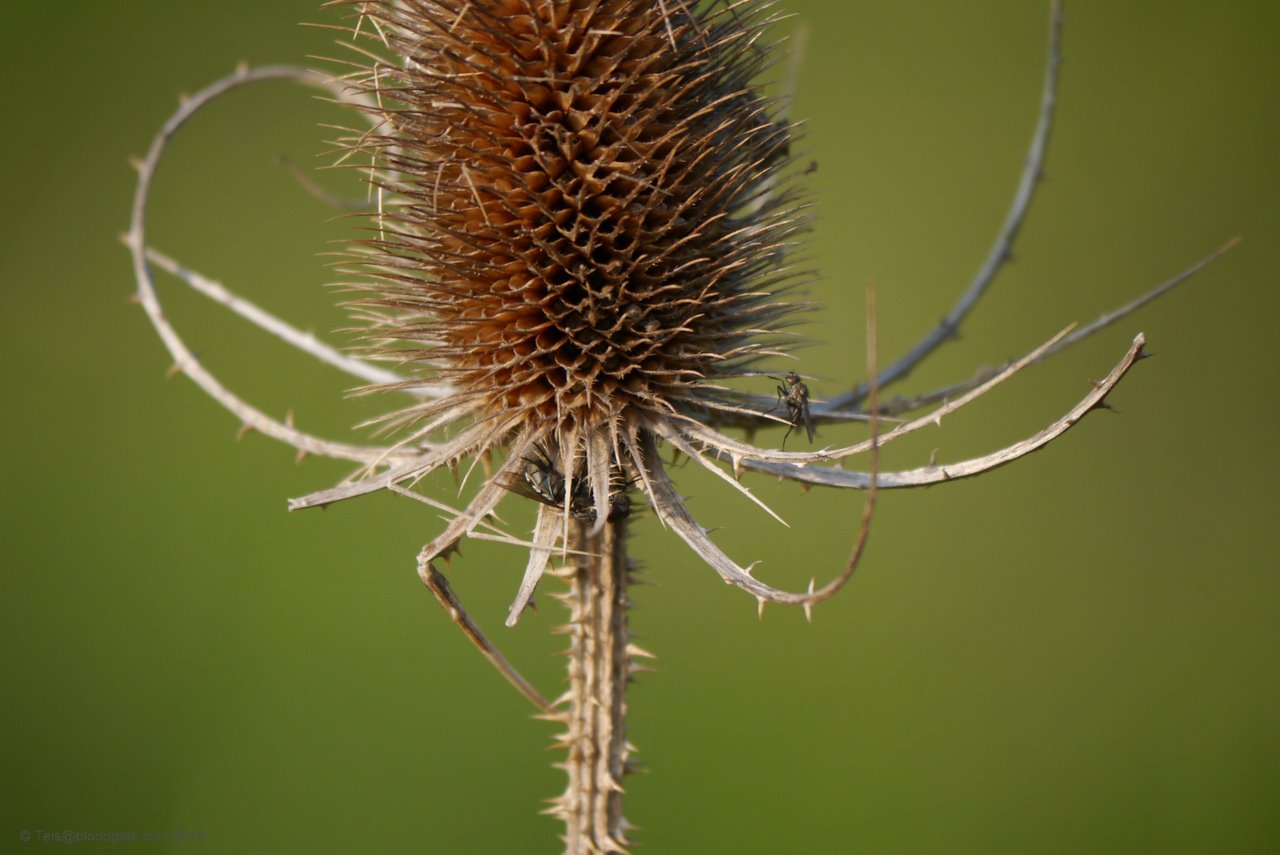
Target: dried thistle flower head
586,246
592,226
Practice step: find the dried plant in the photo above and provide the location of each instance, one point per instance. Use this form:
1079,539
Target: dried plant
584,211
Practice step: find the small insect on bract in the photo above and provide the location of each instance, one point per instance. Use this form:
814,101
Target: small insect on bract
793,393
543,482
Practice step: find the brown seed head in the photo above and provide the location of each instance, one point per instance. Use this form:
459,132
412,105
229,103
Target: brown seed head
593,230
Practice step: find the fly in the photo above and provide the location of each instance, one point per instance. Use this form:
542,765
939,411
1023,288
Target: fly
543,482
794,394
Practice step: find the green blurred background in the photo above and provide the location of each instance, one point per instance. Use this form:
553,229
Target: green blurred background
1075,653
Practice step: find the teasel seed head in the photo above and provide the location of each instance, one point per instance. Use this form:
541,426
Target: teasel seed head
592,224
584,224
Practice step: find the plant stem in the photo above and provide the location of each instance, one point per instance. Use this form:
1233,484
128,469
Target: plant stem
599,670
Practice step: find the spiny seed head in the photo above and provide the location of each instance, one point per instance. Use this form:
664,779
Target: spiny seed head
593,221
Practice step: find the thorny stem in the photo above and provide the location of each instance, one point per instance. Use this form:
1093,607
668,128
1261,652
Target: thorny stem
599,669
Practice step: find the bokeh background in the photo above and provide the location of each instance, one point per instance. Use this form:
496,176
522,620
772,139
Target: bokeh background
1076,653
